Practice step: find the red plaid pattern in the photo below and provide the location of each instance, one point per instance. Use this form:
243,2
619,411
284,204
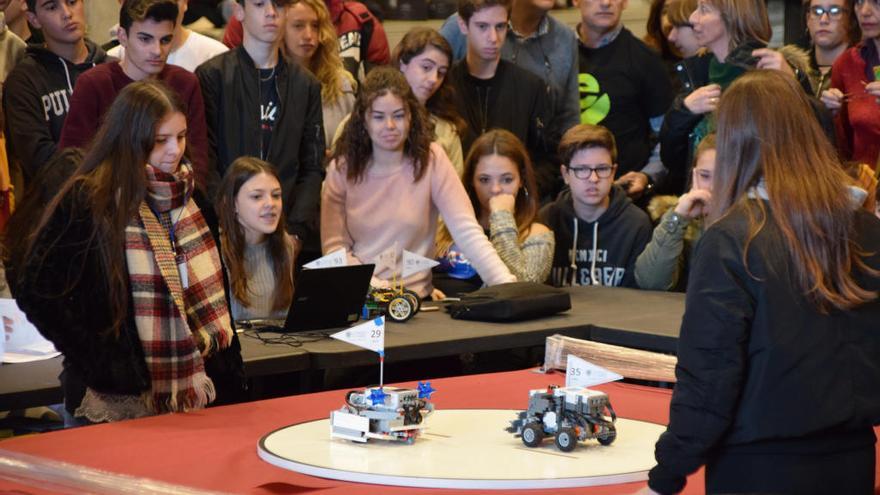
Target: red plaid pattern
176,326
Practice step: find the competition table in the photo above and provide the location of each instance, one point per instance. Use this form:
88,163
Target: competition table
216,449
640,319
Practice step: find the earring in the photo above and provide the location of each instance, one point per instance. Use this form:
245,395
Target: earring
525,191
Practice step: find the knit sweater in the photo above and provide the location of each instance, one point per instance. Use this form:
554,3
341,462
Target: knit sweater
388,207
530,260
336,112
858,122
261,286
96,89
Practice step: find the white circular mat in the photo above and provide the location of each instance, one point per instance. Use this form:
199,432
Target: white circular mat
464,448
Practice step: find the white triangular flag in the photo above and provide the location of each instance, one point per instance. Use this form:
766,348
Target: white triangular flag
414,263
334,259
369,335
581,373
387,259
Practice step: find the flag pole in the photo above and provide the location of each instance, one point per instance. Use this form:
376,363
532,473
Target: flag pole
381,368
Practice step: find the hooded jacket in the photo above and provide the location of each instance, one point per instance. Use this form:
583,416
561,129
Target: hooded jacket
603,252
36,102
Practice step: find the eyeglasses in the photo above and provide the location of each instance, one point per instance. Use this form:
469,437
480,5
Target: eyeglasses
584,173
834,12
872,3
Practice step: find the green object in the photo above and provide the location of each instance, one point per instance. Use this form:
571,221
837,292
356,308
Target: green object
723,74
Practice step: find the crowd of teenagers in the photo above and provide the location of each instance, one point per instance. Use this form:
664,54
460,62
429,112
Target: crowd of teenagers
154,194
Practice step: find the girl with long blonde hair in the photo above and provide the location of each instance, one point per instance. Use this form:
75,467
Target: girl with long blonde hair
310,40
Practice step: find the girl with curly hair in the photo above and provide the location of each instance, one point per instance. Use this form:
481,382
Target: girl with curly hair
387,183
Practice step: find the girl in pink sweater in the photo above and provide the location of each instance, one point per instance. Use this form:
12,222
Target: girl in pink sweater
387,183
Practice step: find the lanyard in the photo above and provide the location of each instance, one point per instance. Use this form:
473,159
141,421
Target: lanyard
171,234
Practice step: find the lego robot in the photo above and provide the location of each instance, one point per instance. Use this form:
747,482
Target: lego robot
383,413
397,303
569,414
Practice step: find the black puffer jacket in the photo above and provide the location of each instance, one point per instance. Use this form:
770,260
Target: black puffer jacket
759,368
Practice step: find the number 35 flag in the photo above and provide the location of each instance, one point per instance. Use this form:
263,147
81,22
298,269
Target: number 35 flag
369,335
582,373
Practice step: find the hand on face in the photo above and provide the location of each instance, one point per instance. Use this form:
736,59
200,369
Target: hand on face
502,202
703,99
694,203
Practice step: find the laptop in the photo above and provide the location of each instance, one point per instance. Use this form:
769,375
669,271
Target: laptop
328,297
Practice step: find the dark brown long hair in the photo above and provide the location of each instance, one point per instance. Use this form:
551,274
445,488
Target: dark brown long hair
851,23
355,146
442,102
109,183
502,143
654,35
783,145
232,235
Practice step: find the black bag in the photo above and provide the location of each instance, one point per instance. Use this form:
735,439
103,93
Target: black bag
515,301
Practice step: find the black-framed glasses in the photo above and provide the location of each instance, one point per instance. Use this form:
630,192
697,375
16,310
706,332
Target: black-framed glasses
834,12
584,173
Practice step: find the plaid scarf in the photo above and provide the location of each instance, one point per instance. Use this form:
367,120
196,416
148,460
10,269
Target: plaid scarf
179,319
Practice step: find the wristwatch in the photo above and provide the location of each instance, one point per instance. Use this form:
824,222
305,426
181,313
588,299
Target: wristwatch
674,223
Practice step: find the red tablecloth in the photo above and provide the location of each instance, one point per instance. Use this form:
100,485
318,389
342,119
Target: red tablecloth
216,449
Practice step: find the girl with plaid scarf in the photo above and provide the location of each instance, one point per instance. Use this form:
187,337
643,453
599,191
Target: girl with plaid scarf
121,272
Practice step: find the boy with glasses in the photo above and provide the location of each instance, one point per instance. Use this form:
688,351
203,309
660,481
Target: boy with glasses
599,231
